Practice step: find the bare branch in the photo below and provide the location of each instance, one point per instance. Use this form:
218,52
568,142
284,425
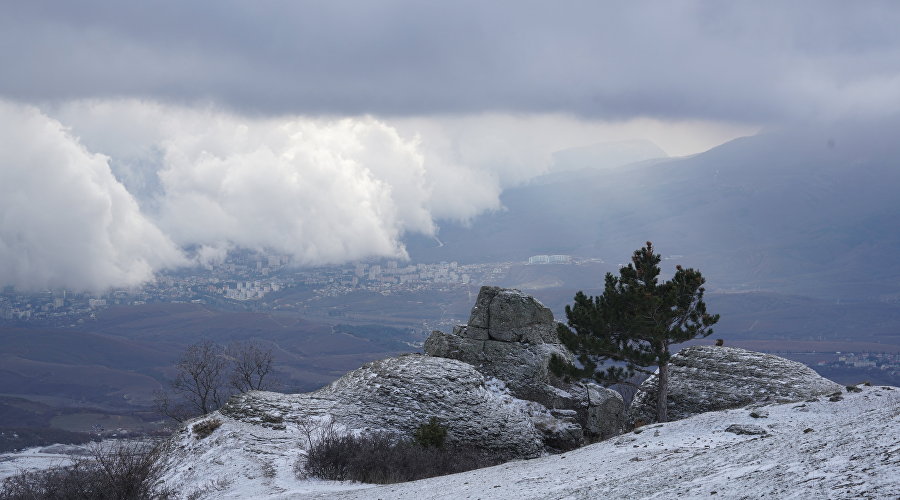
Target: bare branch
252,366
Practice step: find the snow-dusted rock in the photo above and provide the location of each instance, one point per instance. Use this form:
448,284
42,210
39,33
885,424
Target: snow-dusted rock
259,436
398,394
845,449
709,378
512,336
509,315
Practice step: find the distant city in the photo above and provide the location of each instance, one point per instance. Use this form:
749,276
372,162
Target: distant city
888,363
248,280
249,277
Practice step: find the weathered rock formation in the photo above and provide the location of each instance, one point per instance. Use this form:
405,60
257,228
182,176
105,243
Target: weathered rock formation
710,378
511,336
399,394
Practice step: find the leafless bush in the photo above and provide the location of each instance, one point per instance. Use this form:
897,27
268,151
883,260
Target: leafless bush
122,471
384,458
251,367
313,428
203,383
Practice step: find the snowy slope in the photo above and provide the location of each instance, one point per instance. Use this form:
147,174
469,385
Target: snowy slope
848,448
851,450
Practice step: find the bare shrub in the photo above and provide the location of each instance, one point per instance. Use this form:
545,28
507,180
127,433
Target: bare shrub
313,428
383,458
208,374
125,470
251,368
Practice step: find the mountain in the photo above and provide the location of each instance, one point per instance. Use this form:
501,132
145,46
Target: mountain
811,212
842,445
604,155
749,422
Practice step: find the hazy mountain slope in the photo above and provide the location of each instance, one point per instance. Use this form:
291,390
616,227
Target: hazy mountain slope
799,212
117,361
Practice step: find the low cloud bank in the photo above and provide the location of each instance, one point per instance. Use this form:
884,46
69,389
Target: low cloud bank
103,193
65,221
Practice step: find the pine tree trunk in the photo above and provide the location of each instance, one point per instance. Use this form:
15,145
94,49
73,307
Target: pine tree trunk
662,394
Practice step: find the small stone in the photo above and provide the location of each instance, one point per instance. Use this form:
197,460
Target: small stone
807,430
750,430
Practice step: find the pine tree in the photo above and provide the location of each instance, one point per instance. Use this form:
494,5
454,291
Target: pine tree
634,322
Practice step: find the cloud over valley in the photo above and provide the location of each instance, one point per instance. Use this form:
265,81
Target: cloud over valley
138,137
103,193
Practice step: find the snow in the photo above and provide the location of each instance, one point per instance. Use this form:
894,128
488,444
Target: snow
242,460
32,459
851,451
45,457
813,449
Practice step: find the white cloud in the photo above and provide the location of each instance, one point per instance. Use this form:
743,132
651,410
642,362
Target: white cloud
323,190
65,221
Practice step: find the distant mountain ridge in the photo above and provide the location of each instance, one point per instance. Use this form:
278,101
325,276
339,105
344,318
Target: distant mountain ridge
802,212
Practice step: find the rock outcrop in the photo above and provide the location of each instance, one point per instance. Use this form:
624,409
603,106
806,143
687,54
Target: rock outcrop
846,449
258,438
511,336
398,394
710,378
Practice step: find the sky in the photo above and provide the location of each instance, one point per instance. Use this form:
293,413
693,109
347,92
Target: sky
142,136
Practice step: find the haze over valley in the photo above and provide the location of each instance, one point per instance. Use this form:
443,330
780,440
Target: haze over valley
335,181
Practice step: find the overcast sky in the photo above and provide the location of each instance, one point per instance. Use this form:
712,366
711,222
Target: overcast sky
328,130
750,61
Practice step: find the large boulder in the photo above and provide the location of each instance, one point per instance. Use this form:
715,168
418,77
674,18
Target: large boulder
511,336
258,438
712,378
399,394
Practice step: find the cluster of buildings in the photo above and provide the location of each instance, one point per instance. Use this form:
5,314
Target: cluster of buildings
549,259
392,278
57,307
885,361
248,276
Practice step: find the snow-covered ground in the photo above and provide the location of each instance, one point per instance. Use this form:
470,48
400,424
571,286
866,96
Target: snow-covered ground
849,448
816,449
37,458
822,449
45,457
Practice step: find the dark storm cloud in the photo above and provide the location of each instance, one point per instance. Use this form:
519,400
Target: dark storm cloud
747,61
